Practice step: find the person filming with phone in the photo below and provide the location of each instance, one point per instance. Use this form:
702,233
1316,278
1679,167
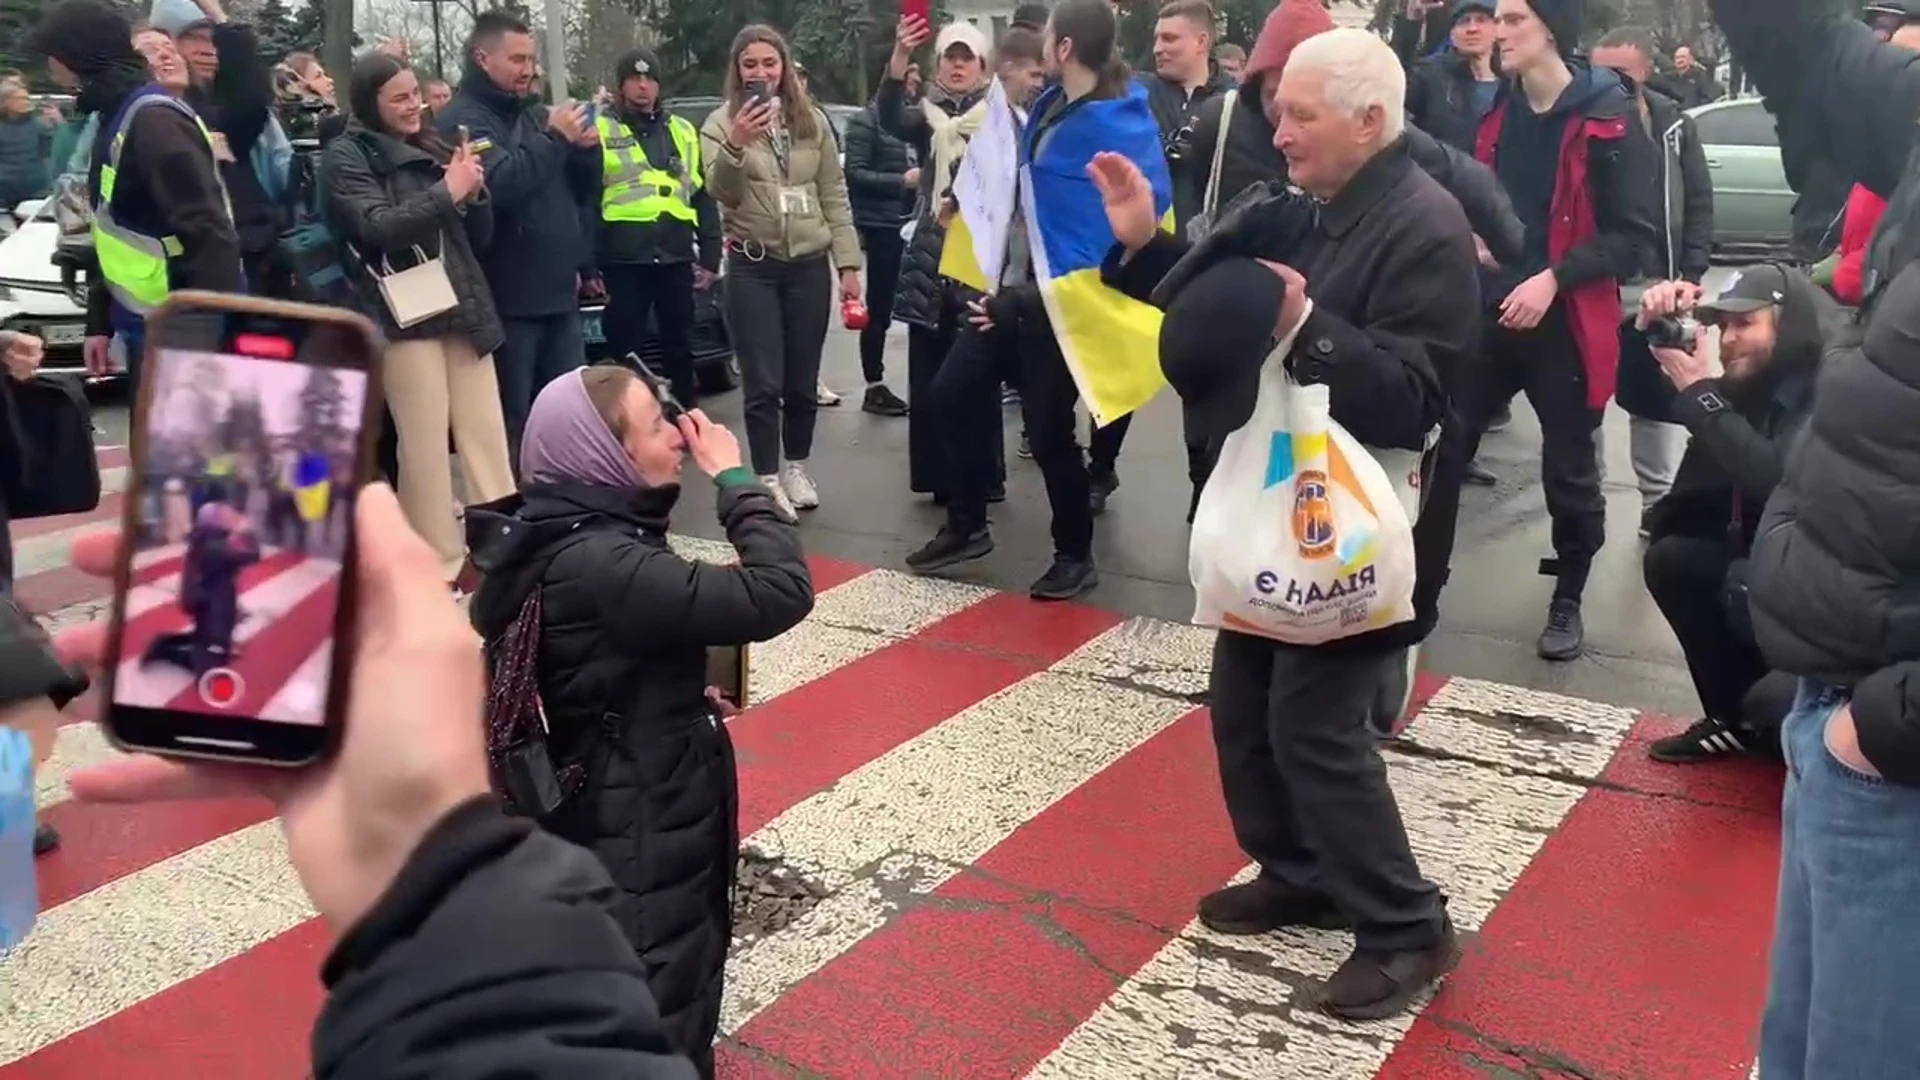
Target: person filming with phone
1771,320
413,207
618,628
773,165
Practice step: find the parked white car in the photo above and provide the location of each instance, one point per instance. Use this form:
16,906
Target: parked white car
32,298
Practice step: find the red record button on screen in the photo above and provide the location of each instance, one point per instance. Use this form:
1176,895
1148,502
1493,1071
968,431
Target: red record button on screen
221,688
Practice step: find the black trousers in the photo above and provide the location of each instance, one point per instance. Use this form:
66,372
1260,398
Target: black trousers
1307,790
1047,399
1103,446
884,248
927,349
1544,364
1686,576
665,290
965,412
778,313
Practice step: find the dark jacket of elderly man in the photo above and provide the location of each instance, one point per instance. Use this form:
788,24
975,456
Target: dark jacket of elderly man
1389,264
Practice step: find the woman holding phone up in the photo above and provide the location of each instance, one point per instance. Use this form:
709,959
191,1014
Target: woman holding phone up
412,210
773,165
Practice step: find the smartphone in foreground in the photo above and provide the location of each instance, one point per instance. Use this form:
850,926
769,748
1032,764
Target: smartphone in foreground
233,600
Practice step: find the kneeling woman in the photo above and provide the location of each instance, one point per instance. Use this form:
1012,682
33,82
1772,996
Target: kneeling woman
622,664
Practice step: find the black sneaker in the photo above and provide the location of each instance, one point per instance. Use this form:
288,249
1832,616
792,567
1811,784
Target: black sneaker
949,548
998,494
881,401
1065,579
1373,984
1009,397
1502,419
1103,484
1706,740
1026,448
1646,523
1262,906
1565,636
45,840
1478,476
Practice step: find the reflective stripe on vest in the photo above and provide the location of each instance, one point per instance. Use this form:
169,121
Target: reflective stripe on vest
133,264
631,189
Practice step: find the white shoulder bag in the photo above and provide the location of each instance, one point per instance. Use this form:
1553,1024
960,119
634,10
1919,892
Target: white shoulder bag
1202,223
417,293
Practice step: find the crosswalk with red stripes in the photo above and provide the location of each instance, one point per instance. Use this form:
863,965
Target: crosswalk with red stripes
1008,810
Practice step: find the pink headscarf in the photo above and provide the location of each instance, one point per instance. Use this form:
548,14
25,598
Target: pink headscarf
566,441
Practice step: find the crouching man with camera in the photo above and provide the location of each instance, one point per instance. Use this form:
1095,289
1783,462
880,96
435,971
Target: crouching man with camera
1771,321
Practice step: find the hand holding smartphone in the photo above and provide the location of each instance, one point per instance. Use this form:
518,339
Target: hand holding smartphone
233,606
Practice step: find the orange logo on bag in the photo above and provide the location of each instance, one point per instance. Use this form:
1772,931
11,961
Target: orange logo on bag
1313,515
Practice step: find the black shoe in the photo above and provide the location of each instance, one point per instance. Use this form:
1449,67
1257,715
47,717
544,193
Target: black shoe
1565,636
1065,579
949,548
998,494
1502,419
1026,448
881,401
1262,906
1706,740
45,840
1009,397
1478,476
1373,985
1103,485
1646,523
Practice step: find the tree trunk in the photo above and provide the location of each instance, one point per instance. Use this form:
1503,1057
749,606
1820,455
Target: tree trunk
337,35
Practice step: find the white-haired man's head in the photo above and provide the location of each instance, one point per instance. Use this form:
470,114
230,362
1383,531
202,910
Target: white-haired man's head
1340,101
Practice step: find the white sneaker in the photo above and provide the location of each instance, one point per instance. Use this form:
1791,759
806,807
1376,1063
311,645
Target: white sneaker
779,493
800,490
824,395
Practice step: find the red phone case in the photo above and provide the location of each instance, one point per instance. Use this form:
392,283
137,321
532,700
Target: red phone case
922,8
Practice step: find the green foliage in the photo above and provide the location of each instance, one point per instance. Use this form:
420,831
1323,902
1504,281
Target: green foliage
18,19
843,43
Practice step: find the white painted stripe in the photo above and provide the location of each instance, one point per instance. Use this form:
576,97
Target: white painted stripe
1212,1005
132,938
304,692
157,684
938,802
188,914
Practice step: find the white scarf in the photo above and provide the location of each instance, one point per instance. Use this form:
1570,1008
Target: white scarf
949,141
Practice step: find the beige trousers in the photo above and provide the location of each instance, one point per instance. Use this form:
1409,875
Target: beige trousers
433,386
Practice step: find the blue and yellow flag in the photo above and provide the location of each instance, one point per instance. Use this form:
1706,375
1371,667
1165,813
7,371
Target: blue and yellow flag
312,484
1111,341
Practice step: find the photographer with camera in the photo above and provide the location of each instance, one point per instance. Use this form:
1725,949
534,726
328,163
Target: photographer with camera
1771,332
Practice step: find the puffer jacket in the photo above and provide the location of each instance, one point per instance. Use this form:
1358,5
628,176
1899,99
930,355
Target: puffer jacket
622,674
1835,579
922,296
747,183
386,197
876,167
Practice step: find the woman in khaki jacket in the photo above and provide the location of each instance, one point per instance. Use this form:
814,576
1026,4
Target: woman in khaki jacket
774,167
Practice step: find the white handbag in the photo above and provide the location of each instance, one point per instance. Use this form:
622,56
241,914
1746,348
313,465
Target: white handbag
417,293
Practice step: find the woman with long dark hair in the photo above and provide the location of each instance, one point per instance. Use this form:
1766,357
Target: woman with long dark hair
404,201
773,165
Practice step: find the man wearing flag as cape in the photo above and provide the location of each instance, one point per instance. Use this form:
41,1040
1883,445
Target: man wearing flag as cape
1073,336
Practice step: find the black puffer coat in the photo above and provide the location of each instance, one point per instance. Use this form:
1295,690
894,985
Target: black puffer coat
920,298
386,197
623,673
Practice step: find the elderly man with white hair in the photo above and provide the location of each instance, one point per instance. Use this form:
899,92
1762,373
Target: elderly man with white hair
1387,258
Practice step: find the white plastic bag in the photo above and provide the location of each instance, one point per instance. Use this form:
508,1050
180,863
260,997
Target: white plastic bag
1302,534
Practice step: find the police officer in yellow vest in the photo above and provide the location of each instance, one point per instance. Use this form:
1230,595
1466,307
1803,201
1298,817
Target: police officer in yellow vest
658,239
161,220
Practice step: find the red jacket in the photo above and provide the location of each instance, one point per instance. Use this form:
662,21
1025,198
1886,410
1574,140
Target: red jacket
1593,308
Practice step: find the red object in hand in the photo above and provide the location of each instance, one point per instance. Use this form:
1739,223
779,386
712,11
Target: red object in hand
853,312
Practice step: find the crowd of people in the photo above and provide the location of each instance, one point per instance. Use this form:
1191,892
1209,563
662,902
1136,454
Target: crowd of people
1424,229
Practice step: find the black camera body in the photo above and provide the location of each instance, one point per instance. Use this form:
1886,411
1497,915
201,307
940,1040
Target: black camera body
1673,332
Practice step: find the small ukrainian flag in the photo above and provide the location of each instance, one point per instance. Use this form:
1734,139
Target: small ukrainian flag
312,486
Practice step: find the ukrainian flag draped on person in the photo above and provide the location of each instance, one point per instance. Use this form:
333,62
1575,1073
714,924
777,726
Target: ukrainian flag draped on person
1111,342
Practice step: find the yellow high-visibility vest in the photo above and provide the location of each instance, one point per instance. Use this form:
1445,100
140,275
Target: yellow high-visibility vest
133,264
632,189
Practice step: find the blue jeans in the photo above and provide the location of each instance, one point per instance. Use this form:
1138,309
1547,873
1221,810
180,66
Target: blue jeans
536,352
1843,1001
